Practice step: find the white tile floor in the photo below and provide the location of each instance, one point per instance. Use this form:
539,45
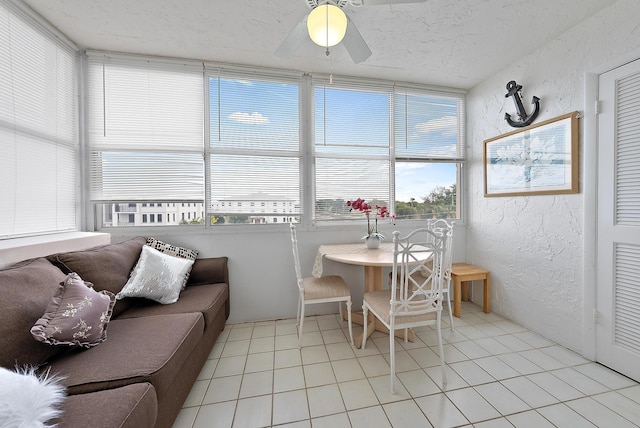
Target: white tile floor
499,375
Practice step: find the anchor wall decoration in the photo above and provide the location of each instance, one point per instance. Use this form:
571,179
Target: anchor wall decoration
525,120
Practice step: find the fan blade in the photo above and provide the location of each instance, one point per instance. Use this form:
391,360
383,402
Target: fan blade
355,44
381,2
293,41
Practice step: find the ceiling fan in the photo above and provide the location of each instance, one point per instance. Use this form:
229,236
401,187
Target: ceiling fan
327,25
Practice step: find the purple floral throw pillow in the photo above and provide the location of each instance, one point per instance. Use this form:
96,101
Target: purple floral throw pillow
77,315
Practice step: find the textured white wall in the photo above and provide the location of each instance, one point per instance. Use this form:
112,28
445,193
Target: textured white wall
534,246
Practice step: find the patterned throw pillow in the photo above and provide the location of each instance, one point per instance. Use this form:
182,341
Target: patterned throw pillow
157,276
77,315
174,250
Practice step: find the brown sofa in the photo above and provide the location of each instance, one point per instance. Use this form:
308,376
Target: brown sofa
141,375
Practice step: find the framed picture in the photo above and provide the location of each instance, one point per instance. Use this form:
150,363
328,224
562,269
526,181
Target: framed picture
540,159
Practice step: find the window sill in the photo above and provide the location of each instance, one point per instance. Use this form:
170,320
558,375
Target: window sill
15,250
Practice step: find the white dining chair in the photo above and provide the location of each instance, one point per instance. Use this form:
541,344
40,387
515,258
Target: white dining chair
447,228
312,290
413,300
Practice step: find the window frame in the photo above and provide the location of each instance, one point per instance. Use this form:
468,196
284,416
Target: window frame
307,153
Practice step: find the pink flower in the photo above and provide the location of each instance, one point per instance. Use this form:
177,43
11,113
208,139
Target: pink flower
360,205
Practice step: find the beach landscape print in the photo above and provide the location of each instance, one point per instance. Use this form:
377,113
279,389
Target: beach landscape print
540,159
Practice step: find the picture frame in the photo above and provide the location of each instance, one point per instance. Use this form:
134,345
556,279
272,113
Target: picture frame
541,159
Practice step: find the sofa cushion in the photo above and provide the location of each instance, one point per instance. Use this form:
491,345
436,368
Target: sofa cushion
130,406
206,299
157,276
77,315
150,349
25,291
107,267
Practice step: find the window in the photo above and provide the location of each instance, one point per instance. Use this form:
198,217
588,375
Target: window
152,218
266,136
254,143
38,77
144,218
351,146
402,148
429,153
145,121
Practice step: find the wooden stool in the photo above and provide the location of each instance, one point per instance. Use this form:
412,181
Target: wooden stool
463,272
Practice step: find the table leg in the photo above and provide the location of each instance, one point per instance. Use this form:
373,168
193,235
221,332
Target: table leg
372,278
487,294
457,306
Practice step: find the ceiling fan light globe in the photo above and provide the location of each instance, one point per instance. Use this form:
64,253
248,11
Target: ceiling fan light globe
327,25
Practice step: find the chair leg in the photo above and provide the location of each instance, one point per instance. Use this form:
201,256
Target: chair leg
449,306
441,350
349,321
392,358
365,313
301,325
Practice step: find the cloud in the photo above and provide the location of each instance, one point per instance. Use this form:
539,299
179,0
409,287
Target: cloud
447,124
253,118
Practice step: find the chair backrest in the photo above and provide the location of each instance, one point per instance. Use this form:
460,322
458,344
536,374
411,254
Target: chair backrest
296,257
443,226
413,294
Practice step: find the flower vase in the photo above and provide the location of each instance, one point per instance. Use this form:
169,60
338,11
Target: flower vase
372,242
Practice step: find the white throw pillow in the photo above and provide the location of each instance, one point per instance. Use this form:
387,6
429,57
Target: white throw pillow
157,276
173,250
29,400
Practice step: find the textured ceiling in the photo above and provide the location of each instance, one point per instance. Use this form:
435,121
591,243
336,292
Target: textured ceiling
455,43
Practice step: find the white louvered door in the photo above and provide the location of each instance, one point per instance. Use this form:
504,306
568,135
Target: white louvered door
618,265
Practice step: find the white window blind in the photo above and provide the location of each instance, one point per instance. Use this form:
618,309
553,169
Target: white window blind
254,144
428,125
351,145
145,129
38,138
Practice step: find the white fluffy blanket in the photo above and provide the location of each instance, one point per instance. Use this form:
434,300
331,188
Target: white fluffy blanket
28,400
